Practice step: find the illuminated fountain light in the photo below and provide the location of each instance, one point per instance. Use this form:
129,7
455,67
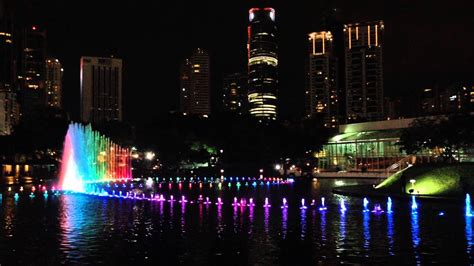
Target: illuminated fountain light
32,195
285,204
183,199
89,157
414,205
377,209
266,205
242,202
219,201
207,202
1,196
200,198
21,189
313,202
162,198
366,205
171,199
468,206
323,206
251,204
45,194
343,206
16,196
302,204
33,189
10,189
235,203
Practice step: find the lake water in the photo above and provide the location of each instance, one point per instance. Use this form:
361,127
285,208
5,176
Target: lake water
84,229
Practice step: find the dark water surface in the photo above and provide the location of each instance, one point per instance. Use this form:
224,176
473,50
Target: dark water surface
82,229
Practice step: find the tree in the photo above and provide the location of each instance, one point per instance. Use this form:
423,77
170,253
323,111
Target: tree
444,135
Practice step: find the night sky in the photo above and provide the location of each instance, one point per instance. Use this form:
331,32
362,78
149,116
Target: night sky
424,43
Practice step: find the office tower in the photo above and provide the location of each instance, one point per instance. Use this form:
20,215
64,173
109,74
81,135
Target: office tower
195,94
234,98
101,89
54,74
321,80
31,76
8,102
262,64
364,71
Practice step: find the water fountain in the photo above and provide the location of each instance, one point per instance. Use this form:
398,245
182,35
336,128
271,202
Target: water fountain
90,158
323,207
343,206
389,205
366,205
414,205
468,206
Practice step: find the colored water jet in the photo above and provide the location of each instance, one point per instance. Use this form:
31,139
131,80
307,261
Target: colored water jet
366,205
468,206
389,205
89,157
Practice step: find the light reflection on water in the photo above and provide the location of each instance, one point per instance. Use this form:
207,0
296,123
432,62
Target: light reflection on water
91,230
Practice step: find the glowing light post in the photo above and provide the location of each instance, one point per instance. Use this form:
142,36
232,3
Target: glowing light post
323,207
366,205
266,205
468,206
389,205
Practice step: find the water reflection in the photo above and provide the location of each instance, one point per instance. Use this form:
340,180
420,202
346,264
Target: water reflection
303,224
415,234
266,220
390,233
366,225
469,240
284,222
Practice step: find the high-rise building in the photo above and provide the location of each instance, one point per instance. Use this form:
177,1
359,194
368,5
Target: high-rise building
262,63
8,103
101,89
195,91
321,80
364,71
54,74
32,74
234,98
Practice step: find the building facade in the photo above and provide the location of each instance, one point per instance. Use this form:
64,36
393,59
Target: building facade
32,74
8,101
364,71
321,79
262,64
54,76
101,89
234,98
195,89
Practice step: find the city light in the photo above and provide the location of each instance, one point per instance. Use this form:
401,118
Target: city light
149,155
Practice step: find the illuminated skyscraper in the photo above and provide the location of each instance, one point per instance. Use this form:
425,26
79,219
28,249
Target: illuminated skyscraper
364,71
101,89
262,63
54,74
321,79
195,98
32,70
8,103
235,93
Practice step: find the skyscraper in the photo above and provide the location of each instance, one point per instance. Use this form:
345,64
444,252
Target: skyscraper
195,98
54,74
8,103
262,63
234,98
32,70
101,89
321,80
364,71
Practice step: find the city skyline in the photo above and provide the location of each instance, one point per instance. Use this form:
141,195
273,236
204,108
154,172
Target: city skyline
403,52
